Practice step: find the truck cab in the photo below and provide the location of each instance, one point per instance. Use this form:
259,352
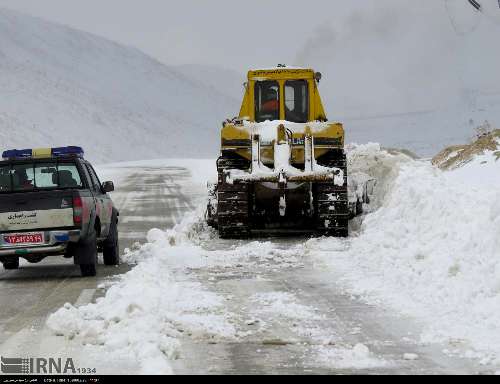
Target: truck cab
52,203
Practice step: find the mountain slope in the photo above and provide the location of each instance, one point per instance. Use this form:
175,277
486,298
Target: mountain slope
60,86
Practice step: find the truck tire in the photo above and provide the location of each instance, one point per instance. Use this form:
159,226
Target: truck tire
12,264
111,247
86,254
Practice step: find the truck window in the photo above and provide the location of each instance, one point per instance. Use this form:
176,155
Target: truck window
39,176
297,101
23,177
60,176
267,101
5,179
95,180
69,176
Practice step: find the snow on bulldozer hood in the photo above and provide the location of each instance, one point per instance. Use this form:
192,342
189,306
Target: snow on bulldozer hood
268,130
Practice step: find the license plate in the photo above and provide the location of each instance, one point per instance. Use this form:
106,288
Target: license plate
24,238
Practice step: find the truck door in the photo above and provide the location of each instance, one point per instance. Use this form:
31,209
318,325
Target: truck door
103,202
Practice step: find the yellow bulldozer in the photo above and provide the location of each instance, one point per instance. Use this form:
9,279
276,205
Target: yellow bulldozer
282,166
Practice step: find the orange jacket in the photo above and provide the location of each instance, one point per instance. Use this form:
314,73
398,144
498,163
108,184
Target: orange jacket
271,106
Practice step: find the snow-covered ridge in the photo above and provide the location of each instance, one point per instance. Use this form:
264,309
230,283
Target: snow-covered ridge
458,155
60,86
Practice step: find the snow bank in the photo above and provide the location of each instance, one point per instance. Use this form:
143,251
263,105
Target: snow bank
371,162
146,313
432,250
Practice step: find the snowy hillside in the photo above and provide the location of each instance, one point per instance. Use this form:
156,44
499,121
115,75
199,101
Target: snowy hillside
60,86
227,81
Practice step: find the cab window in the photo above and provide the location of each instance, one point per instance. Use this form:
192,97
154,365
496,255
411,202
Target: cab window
23,177
39,176
267,101
297,101
53,175
95,179
5,178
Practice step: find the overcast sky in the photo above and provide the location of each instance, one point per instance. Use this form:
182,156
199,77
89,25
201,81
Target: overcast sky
232,33
406,50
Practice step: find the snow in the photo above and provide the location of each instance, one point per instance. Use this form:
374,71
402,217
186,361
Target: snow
283,170
60,86
268,130
411,356
283,303
146,313
271,68
431,250
482,172
357,357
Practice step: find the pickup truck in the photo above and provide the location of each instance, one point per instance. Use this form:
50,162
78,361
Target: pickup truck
53,204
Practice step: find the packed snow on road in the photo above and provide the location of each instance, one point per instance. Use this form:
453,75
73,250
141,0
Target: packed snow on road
428,249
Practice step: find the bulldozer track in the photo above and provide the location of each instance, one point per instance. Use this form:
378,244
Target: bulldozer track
233,211
331,202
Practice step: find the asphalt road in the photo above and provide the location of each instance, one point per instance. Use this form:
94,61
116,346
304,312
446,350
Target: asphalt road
157,197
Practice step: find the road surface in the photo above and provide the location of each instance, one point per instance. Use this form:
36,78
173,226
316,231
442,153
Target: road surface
158,197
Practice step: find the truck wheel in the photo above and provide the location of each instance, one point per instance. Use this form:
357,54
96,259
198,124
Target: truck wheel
11,264
111,248
87,253
88,270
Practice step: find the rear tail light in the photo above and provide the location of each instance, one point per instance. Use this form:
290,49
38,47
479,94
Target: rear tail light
77,210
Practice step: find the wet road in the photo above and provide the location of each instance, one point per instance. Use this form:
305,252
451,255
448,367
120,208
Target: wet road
314,325
323,321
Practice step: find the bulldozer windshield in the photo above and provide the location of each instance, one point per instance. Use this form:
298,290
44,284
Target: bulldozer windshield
297,101
267,101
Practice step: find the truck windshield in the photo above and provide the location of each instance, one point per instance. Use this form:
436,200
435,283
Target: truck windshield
39,176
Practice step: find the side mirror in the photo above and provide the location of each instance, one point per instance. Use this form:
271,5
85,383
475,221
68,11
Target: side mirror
108,186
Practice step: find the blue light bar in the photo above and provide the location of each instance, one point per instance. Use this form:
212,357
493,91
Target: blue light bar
18,154
68,151
22,154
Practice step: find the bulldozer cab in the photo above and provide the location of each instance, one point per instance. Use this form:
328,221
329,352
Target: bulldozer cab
282,94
